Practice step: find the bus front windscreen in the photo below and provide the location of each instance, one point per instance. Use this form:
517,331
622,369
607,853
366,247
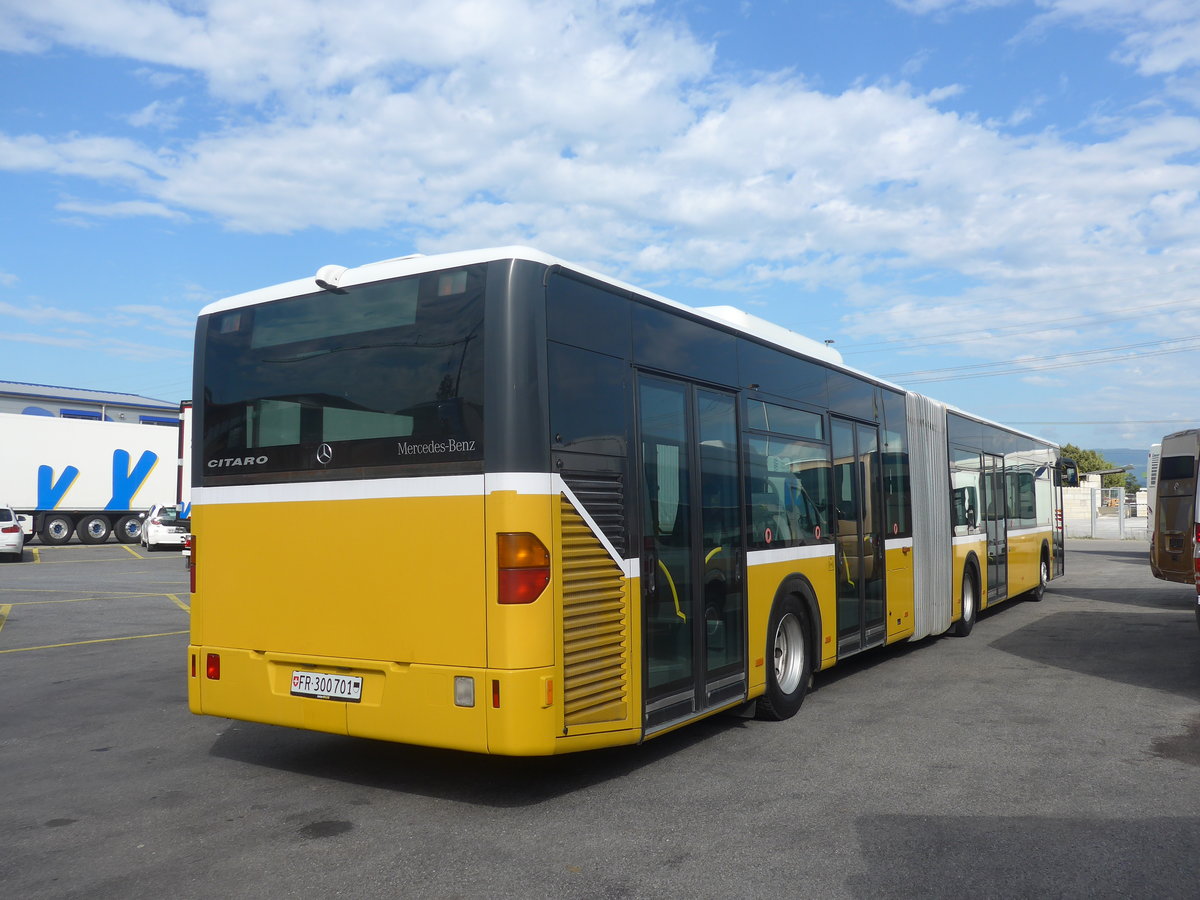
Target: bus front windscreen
384,375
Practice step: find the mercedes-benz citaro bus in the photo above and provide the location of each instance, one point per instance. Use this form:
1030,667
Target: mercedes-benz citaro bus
518,507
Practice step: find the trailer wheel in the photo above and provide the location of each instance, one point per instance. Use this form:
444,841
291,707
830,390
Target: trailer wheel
128,529
93,529
56,530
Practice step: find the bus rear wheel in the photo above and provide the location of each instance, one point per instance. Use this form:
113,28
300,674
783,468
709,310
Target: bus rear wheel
970,606
789,670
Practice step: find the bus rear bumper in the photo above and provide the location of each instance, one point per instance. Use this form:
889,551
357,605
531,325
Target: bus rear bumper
512,712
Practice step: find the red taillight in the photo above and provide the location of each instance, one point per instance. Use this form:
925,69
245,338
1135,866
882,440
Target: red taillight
522,585
524,567
10,529
212,666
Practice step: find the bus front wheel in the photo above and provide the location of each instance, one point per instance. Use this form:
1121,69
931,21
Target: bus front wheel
1043,576
789,667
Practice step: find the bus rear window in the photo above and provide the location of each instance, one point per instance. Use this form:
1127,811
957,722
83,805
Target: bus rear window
386,374
1177,468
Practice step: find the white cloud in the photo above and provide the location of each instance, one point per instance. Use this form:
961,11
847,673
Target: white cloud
161,114
122,209
117,348
37,314
603,133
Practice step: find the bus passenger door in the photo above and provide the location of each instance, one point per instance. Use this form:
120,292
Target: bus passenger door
996,518
692,555
858,498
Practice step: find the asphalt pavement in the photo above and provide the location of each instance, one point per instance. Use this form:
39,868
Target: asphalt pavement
1055,752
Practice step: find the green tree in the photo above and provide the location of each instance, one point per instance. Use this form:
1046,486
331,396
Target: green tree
1091,461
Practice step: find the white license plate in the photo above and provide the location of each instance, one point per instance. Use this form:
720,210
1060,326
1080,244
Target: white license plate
324,686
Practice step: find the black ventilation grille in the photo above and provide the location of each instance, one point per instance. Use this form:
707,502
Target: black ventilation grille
602,494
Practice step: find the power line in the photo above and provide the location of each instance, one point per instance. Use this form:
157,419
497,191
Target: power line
1035,369
1099,422
1008,330
893,342
1005,367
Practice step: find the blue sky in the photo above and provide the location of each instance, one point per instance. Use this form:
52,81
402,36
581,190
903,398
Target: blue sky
994,202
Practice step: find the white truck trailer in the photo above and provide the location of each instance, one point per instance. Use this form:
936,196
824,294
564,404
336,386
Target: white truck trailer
92,479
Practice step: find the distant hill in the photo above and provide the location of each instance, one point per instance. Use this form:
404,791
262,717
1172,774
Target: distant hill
1125,456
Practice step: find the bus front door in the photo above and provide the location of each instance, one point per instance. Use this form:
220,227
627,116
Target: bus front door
692,556
858,497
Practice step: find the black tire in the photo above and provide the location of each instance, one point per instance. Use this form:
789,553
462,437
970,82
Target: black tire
1043,576
128,529
93,529
789,655
970,605
56,530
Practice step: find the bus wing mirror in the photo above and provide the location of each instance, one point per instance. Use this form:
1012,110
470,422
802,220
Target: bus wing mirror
1068,473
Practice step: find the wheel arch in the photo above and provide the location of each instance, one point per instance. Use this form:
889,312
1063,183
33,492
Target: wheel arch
971,564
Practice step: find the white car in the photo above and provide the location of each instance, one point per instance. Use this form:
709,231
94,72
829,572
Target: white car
12,538
162,527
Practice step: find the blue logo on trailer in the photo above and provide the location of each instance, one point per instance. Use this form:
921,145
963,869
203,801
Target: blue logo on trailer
126,481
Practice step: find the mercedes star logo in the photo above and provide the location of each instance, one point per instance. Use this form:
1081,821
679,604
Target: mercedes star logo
324,454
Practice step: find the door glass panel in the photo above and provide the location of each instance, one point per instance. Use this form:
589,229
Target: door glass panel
873,534
858,495
721,543
995,514
666,527
849,538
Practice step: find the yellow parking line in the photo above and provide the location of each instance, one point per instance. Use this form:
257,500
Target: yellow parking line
37,554
5,609
132,637
180,603
134,552
18,590
84,599
71,562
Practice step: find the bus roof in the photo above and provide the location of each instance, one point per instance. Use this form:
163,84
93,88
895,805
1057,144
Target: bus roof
729,316
333,276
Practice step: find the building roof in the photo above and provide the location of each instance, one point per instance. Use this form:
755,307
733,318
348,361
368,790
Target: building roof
111,398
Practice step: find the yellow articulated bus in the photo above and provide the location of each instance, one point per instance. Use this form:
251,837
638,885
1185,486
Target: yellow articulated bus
526,509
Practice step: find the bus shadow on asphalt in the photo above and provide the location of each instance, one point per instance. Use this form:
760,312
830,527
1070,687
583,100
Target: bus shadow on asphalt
1026,856
1159,595
477,779
1157,651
